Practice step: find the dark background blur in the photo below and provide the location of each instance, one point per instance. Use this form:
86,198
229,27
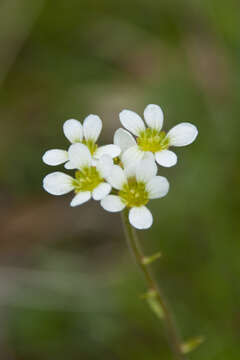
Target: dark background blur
68,285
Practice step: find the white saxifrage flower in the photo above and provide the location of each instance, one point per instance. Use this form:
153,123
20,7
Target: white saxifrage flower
134,190
87,134
89,181
151,138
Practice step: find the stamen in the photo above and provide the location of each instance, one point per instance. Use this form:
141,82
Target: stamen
152,140
134,193
87,179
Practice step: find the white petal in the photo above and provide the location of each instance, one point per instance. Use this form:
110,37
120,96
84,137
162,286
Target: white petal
132,156
153,115
112,203
123,139
111,150
92,127
58,183
166,158
182,134
157,187
94,162
148,156
129,171
130,167
117,177
140,217
146,170
101,191
69,166
81,198
79,155
73,130
132,121
104,165
55,157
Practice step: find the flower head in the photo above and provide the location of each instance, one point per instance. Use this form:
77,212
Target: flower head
135,186
89,180
87,134
151,138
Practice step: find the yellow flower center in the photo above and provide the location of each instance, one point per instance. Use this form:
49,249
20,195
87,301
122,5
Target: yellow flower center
152,140
87,179
134,193
92,146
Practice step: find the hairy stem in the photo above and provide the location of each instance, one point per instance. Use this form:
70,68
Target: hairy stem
153,289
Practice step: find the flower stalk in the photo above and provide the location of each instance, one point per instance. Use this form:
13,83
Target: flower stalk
154,295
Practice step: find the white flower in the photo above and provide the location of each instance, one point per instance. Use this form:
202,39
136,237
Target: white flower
88,134
134,190
89,180
151,138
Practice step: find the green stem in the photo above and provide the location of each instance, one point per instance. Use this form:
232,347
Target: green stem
153,288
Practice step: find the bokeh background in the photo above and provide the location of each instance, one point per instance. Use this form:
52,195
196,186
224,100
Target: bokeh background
68,286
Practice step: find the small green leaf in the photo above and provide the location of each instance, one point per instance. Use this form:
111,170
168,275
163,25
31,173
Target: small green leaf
192,344
151,297
146,260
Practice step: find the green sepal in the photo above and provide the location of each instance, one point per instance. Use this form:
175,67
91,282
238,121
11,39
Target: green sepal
192,344
146,260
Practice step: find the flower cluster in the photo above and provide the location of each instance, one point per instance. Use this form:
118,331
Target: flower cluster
119,175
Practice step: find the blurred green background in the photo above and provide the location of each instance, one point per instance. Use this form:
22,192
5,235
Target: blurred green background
68,285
